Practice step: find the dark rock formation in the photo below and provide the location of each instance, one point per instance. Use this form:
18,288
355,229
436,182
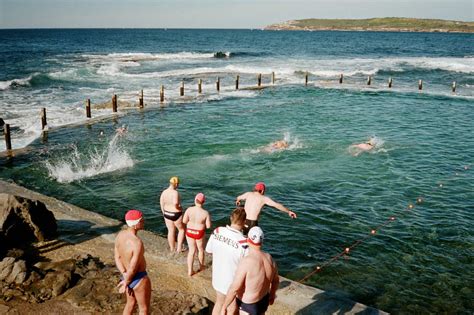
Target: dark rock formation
23,221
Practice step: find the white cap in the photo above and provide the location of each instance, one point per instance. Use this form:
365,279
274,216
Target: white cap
255,236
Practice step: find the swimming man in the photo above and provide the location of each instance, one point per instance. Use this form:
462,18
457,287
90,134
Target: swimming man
197,220
172,212
256,279
130,261
363,147
254,202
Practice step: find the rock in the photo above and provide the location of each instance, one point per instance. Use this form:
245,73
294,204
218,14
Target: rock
4,309
16,253
6,267
24,220
18,273
66,265
34,277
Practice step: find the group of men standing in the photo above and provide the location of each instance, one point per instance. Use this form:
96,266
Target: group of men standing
245,277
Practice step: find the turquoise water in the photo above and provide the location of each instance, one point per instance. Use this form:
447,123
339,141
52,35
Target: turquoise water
420,263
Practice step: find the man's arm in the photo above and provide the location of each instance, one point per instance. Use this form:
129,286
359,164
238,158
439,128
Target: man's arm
162,204
240,198
269,202
177,202
186,217
208,221
118,261
236,286
275,284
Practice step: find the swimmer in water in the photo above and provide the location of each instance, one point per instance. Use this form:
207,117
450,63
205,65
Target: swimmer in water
276,146
122,130
363,147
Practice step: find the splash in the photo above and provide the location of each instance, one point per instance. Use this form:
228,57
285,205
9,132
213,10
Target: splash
72,169
288,143
372,145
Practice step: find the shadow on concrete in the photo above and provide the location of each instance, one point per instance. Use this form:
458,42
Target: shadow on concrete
328,303
75,232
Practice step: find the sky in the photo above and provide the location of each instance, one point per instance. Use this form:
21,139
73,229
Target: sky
214,13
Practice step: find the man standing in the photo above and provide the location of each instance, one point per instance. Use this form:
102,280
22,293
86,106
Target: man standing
228,246
197,220
254,202
130,261
172,211
256,279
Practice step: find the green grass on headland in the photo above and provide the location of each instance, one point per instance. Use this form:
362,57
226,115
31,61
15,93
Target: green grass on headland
377,24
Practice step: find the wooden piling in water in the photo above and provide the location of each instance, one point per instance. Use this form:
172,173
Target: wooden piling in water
162,94
140,99
390,82
88,108
218,84
200,86
420,85
341,78
369,80
8,140
181,89
43,118
453,87
259,79
237,82
306,79
273,77
114,103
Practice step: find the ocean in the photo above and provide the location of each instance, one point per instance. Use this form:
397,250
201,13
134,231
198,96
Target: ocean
406,204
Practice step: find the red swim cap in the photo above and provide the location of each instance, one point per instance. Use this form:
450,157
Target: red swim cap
260,186
200,198
133,217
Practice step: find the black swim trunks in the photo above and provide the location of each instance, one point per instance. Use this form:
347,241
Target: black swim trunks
256,308
173,216
248,225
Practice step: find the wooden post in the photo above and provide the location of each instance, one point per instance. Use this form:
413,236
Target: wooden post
140,99
369,80
306,79
181,89
453,88
88,108
341,78
162,94
218,84
200,86
390,82
259,79
273,77
43,118
420,85
114,103
237,82
8,140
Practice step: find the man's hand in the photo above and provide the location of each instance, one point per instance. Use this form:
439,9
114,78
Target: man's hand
237,202
122,286
292,214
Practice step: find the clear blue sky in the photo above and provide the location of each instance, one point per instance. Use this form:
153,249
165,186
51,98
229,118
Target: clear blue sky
214,13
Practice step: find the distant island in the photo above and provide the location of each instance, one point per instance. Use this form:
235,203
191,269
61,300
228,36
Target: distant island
389,24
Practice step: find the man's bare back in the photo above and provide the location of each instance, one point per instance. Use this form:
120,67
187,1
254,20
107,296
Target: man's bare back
169,200
259,269
129,246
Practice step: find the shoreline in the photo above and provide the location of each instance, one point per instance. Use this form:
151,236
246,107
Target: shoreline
84,232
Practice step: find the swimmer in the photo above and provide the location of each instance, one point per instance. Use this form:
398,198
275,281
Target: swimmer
130,261
172,212
121,130
197,220
363,147
276,146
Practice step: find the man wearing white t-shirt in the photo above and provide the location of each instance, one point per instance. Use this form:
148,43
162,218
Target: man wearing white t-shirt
228,246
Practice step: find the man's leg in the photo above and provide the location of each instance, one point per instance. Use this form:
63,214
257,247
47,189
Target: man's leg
171,234
219,303
191,253
131,301
143,295
179,224
200,247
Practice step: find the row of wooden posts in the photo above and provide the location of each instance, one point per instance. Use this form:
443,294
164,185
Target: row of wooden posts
6,130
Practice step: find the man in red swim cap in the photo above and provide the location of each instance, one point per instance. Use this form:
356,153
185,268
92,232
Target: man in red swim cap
130,261
254,202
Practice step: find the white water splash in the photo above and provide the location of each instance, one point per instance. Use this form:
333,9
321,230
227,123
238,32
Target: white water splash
71,169
288,143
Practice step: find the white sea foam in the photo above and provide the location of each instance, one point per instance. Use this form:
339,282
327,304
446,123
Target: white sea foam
79,166
4,85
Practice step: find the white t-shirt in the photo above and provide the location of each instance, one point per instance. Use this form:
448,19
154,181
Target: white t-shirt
227,246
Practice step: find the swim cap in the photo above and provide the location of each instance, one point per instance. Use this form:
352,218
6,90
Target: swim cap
133,217
174,180
255,236
200,198
260,186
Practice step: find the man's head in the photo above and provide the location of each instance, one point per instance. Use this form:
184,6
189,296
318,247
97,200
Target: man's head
200,199
134,218
174,181
255,236
260,187
238,216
